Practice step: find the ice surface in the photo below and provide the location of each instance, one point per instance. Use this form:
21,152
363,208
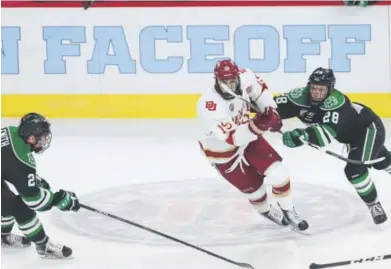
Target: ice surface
152,172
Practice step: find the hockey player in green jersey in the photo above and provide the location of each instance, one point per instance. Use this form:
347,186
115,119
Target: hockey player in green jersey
329,114
18,143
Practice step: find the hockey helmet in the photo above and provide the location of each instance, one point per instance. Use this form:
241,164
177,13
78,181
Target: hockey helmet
227,73
321,83
36,126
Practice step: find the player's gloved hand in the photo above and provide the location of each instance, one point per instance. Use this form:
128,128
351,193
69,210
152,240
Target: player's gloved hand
42,183
274,118
66,201
268,121
259,124
292,139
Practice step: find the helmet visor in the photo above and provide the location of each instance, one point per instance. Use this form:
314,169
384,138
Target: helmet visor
43,143
232,84
319,92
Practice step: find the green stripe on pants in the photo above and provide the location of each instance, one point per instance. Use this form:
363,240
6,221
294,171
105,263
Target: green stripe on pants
369,142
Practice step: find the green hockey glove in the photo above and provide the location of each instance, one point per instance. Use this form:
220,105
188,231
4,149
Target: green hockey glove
292,139
66,201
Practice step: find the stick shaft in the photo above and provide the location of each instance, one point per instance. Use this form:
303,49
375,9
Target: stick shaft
164,235
359,261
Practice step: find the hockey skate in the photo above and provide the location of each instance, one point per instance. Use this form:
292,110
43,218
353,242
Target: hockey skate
14,241
378,214
275,215
295,220
50,250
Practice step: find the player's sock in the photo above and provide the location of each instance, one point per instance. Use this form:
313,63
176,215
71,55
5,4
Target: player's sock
261,204
7,223
365,188
33,230
283,194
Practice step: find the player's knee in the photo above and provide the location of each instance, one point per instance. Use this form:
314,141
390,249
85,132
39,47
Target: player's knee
353,171
278,175
385,164
21,211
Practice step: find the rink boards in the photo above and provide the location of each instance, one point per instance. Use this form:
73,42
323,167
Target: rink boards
153,61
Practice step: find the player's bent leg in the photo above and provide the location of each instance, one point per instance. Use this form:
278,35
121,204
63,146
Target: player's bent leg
258,197
30,225
250,183
28,222
262,156
361,180
279,177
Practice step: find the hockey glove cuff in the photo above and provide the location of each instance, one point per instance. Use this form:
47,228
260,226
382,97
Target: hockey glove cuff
292,139
66,201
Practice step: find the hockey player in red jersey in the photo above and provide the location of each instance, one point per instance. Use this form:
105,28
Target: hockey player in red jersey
234,143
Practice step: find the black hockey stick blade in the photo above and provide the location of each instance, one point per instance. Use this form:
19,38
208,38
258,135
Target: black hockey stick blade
245,265
240,264
328,265
359,261
87,4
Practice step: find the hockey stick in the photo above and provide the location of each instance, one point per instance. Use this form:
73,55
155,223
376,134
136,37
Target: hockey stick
335,264
306,142
240,264
370,162
87,4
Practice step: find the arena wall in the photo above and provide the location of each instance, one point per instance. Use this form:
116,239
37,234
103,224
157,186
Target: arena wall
154,59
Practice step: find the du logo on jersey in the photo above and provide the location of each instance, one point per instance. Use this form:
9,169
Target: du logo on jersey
189,48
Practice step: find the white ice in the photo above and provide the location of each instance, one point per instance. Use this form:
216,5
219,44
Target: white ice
177,192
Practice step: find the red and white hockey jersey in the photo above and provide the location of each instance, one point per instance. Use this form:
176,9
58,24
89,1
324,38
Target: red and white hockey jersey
225,122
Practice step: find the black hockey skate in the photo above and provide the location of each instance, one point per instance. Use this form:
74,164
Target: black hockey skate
50,250
295,220
378,214
14,241
275,215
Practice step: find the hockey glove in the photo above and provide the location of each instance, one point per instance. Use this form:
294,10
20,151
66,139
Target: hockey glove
259,124
66,201
274,119
267,121
292,139
41,183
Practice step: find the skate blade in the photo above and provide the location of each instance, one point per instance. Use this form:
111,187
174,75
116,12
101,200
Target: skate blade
381,226
296,230
54,257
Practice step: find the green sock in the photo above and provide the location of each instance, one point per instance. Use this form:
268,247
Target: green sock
7,223
365,188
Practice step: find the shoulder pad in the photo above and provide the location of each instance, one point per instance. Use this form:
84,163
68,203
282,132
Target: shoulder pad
334,101
299,96
21,150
